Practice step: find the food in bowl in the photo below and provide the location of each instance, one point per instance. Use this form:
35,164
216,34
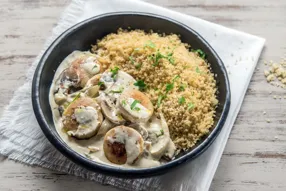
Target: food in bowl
134,100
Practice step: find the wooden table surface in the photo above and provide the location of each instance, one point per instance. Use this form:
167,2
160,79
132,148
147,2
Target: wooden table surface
255,155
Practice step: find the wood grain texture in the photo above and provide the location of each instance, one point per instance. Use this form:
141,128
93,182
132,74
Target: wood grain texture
255,155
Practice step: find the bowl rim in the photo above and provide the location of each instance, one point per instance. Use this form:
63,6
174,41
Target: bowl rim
60,145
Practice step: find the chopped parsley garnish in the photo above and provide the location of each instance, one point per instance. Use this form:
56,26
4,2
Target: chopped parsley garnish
182,100
200,53
124,102
170,86
182,87
137,109
161,133
160,99
95,66
170,58
131,58
198,70
136,49
114,72
156,58
141,85
76,97
100,83
150,44
137,65
134,103
120,90
175,78
190,106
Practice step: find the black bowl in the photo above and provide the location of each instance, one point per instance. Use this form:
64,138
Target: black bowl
80,37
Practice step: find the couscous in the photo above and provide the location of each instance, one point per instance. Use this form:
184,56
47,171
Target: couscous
178,81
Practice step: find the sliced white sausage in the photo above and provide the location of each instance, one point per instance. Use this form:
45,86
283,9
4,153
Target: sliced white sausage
123,145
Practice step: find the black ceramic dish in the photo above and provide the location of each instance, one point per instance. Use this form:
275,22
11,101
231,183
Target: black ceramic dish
80,37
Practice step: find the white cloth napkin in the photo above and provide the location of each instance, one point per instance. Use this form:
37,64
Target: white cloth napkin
21,138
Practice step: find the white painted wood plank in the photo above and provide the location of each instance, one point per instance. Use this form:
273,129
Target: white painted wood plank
255,156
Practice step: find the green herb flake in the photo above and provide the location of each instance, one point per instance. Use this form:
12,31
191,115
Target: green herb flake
161,133
137,49
190,106
150,44
138,66
95,66
120,90
141,85
137,109
114,72
200,53
160,99
76,97
182,100
134,103
182,87
124,102
175,78
169,87
156,58
100,83
170,58
131,58
198,70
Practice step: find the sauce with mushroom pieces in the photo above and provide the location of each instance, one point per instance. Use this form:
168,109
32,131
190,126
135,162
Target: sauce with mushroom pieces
137,141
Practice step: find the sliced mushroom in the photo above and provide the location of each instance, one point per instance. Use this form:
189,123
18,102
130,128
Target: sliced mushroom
84,67
135,106
60,98
92,91
110,111
159,136
93,81
82,118
141,129
170,151
105,126
123,145
76,69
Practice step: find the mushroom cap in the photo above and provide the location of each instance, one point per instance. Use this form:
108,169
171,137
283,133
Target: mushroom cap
111,112
159,147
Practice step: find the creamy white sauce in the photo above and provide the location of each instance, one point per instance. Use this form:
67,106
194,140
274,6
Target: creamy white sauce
123,81
85,115
93,147
139,111
91,66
